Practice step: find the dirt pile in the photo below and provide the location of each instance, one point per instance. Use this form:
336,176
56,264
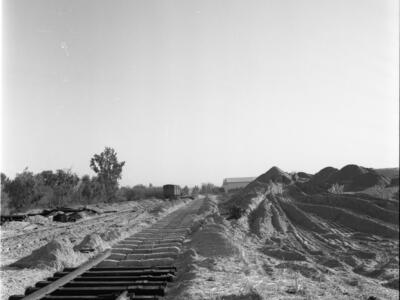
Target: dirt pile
213,240
56,254
323,175
249,198
351,233
348,172
110,235
352,177
272,175
92,242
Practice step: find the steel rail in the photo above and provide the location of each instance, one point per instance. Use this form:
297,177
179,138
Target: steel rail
67,278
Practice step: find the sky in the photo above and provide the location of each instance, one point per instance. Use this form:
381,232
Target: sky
189,91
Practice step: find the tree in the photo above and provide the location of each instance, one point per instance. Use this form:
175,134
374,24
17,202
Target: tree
108,170
85,187
4,179
65,183
195,190
21,190
48,178
5,199
89,188
56,188
185,190
139,191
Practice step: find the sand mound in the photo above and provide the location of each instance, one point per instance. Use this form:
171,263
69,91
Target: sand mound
275,175
323,175
57,254
213,240
92,241
353,177
348,173
110,235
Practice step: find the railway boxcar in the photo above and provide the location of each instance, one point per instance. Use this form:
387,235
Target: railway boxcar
171,191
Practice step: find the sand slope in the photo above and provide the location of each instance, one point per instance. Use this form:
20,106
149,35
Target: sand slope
352,232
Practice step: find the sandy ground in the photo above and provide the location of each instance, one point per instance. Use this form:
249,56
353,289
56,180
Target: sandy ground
19,239
281,248
223,260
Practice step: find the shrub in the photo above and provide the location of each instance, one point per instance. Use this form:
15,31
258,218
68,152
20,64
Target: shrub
126,193
154,192
336,189
140,192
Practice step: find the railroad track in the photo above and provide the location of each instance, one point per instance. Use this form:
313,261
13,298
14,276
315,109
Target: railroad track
138,268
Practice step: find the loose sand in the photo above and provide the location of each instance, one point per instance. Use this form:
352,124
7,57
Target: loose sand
28,256
278,241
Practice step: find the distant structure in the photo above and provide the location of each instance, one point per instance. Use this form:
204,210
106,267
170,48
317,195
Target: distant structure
236,183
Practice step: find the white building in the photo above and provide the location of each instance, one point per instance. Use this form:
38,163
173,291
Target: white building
236,183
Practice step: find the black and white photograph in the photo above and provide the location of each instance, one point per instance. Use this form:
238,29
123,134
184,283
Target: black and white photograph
199,149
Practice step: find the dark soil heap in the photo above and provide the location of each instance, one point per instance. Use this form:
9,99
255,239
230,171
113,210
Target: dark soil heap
352,177
303,221
323,175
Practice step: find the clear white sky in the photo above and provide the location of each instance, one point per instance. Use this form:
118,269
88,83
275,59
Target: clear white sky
194,91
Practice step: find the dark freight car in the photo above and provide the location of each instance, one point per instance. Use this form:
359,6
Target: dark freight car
171,191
